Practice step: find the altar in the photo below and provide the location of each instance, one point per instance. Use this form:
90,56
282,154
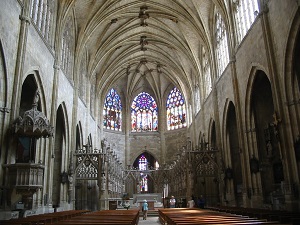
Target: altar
151,198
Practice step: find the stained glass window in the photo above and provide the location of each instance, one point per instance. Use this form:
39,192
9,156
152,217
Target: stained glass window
144,113
143,165
112,112
176,110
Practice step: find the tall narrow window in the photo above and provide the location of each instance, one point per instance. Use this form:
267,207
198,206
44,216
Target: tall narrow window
245,12
206,73
221,44
197,99
143,165
42,15
144,113
68,46
112,112
176,110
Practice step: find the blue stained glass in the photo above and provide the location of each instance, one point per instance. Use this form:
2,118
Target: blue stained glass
176,111
112,112
144,116
143,163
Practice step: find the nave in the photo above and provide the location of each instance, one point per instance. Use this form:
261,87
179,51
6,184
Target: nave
105,103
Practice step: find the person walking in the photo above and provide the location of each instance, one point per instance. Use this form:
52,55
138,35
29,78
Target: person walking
145,209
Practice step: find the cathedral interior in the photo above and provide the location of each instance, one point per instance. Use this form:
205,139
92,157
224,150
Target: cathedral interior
102,101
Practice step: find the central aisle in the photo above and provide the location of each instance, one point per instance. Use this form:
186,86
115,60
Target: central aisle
153,220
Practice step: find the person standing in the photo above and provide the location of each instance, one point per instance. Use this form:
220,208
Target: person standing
172,202
201,201
191,203
145,209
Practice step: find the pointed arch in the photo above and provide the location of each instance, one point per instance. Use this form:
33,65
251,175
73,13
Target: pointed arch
35,73
212,138
262,134
27,146
143,162
233,151
60,154
291,73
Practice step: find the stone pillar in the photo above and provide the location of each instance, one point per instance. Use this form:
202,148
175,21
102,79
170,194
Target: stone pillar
21,52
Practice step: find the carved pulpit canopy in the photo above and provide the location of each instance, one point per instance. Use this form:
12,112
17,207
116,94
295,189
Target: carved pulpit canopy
33,123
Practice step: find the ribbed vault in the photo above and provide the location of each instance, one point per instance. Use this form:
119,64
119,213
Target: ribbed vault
144,44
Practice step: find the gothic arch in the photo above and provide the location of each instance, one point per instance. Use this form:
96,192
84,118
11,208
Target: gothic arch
61,155
34,71
223,132
30,149
252,75
65,112
233,152
139,153
262,135
292,75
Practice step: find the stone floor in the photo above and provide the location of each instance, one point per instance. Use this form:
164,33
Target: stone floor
153,220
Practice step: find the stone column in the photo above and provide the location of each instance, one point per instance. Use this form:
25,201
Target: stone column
21,52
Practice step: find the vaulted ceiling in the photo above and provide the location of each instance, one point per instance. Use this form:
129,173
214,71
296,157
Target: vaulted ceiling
143,45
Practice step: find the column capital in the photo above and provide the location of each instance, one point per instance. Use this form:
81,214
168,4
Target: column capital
56,66
25,18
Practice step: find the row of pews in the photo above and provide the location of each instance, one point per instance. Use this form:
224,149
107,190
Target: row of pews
47,218
80,217
282,216
188,216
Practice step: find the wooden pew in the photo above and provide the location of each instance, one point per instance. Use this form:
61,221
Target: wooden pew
281,216
43,219
198,216
117,217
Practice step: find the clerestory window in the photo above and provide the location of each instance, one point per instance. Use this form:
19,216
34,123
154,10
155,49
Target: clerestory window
42,15
176,110
245,12
112,111
221,44
206,73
